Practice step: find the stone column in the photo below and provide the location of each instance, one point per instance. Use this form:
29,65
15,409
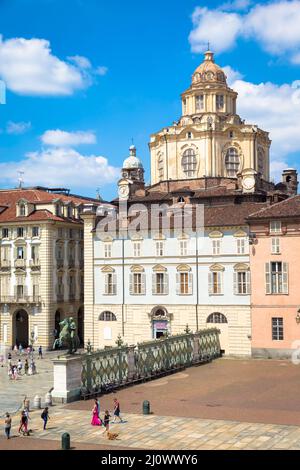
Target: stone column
67,378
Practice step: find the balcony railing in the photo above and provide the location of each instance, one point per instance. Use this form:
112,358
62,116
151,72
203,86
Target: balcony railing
34,263
60,263
20,263
5,263
20,299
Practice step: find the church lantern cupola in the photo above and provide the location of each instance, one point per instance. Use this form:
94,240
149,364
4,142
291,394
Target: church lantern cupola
132,166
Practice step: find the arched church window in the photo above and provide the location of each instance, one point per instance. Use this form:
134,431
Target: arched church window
216,317
232,162
261,161
189,162
199,102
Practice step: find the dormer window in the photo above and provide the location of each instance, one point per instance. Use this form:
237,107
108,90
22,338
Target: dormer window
22,210
189,135
69,212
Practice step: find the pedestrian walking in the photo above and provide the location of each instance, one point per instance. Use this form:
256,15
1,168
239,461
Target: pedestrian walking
106,419
15,372
20,349
96,421
45,416
9,356
117,411
26,367
7,425
40,352
19,366
23,424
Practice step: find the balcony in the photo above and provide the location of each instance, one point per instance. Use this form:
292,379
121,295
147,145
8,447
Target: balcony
20,299
20,263
5,263
60,263
35,263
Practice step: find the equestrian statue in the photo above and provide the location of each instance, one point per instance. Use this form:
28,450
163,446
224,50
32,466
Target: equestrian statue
68,337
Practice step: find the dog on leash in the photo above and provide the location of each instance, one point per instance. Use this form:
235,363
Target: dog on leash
112,435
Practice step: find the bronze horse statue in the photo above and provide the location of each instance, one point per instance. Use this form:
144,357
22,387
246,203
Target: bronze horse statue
68,337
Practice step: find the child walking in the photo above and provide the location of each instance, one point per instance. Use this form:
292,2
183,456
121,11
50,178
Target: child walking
106,421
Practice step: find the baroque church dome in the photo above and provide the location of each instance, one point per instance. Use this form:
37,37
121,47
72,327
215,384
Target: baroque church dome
209,71
132,161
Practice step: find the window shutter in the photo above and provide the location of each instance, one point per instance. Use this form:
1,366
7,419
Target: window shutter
154,283
235,283
131,284
143,284
190,283
178,284
268,279
210,283
248,279
114,280
285,287
106,283
166,283
220,282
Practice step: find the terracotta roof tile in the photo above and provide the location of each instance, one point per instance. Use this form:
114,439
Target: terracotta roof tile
288,208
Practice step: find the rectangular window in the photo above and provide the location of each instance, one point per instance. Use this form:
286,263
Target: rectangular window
215,282
216,247
137,283
277,329
5,253
159,248
220,101
136,249
242,282
184,106
183,247
275,226
34,253
241,246
184,283
276,278
110,284
20,232
107,250
160,283
35,231
275,245
5,233
20,252
199,102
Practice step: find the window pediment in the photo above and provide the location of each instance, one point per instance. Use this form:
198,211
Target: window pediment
183,268
217,267
240,233
107,269
159,268
241,267
137,269
216,234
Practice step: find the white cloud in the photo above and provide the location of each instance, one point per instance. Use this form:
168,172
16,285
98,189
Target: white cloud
81,61
102,70
218,27
61,138
28,67
17,128
276,109
231,74
274,25
58,166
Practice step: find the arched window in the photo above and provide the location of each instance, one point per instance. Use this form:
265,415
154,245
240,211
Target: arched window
232,162
22,210
261,161
107,316
189,162
216,317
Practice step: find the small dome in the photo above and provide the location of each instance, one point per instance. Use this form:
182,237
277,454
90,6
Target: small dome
209,71
132,161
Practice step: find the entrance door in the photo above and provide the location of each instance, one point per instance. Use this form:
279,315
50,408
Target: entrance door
218,320
159,328
80,326
21,328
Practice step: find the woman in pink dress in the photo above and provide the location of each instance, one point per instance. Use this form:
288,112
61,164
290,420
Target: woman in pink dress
96,421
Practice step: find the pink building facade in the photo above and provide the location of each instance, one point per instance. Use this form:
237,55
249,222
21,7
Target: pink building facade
275,279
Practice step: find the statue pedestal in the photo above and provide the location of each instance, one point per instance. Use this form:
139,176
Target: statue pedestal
67,378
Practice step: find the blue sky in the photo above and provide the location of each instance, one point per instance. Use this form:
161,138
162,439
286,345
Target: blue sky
107,72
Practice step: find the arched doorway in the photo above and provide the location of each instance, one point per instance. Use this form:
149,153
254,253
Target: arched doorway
219,321
21,328
57,321
160,322
80,325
